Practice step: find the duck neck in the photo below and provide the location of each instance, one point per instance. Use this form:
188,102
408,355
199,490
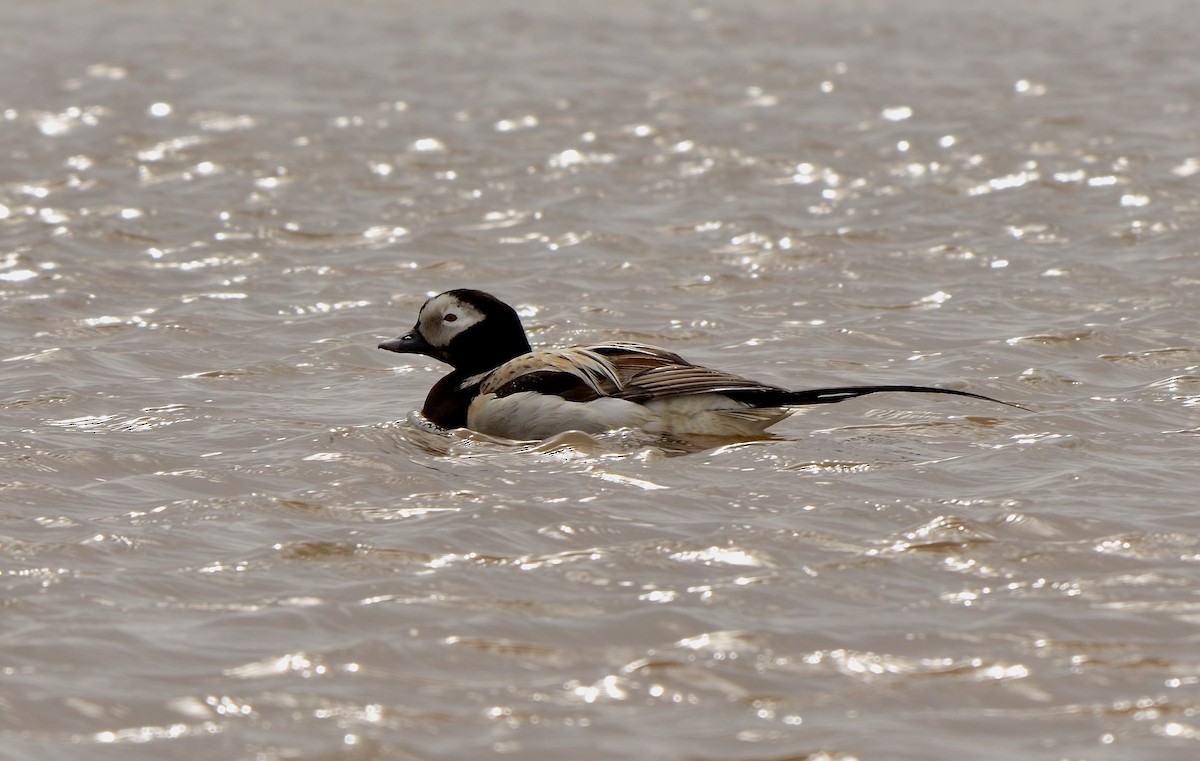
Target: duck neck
493,354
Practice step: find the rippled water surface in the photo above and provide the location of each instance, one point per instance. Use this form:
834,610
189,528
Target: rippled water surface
225,534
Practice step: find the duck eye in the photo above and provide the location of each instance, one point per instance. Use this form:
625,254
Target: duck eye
450,317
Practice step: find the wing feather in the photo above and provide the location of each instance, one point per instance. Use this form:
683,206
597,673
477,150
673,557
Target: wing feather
678,380
635,372
586,373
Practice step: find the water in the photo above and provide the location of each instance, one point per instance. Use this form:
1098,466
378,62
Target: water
224,535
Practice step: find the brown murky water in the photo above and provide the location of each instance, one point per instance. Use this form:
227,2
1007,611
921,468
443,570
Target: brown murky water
223,534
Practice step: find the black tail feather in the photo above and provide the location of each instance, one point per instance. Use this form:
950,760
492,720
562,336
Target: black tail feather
784,398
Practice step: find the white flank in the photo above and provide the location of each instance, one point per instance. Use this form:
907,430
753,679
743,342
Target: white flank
530,415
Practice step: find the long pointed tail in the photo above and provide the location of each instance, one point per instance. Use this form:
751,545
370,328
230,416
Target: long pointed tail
785,398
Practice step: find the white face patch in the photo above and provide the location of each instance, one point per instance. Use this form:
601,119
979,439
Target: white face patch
443,317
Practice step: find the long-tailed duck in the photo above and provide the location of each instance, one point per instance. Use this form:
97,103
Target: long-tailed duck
501,386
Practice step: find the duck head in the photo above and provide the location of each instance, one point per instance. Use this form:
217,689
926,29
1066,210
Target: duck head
469,330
